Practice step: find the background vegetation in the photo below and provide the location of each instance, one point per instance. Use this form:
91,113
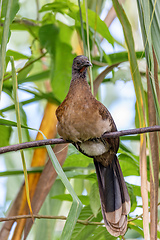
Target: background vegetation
39,40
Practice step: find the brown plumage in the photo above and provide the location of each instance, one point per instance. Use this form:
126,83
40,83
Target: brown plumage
83,120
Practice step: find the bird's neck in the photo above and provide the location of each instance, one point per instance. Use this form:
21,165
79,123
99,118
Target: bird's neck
79,74
79,86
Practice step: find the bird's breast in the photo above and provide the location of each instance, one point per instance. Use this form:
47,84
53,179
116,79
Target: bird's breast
81,121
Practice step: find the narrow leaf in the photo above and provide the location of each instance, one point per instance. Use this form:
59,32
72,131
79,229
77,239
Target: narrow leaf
4,42
16,100
76,205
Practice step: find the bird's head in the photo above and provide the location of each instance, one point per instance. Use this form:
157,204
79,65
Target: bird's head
80,65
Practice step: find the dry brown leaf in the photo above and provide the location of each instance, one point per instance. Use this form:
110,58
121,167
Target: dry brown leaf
144,186
154,169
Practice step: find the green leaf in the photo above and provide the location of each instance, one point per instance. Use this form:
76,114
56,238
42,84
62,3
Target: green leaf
127,30
28,25
76,175
136,190
59,6
149,32
76,205
3,45
94,199
14,9
41,95
68,197
129,165
82,231
65,34
36,77
5,135
11,107
100,233
37,97
12,124
132,195
61,73
136,228
117,57
48,35
79,175
19,172
45,228
131,138
16,55
16,102
77,160
97,24
155,27
24,72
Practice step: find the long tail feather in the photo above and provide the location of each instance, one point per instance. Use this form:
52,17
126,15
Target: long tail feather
115,201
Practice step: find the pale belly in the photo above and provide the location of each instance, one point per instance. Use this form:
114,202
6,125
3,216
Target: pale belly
94,147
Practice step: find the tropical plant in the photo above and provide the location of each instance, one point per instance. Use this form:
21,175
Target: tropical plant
38,43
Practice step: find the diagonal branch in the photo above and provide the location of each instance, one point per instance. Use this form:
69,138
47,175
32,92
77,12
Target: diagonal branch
41,143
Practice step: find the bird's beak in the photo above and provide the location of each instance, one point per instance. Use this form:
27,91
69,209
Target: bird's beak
87,64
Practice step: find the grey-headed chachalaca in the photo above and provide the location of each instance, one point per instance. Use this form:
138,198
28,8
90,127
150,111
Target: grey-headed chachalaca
83,120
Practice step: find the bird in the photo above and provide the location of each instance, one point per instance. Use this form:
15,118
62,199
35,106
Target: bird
83,120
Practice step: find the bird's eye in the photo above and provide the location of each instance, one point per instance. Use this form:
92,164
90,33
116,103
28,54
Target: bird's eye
78,63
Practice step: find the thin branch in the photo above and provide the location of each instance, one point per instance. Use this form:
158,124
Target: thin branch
139,216
41,143
84,222
32,144
135,218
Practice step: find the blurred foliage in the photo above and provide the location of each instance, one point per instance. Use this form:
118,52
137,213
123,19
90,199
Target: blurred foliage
52,38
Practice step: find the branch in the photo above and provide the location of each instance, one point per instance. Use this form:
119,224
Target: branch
84,222
40,143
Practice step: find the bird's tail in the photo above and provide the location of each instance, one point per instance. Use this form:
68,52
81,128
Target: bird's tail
115,201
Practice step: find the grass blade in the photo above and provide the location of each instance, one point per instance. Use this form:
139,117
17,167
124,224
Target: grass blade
88,48
16,100
141,102
82,29
76,205
4,43
132,59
